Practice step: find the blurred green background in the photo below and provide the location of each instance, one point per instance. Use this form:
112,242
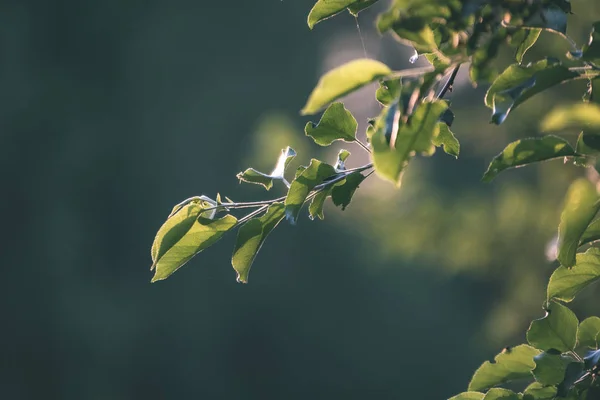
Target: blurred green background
114,111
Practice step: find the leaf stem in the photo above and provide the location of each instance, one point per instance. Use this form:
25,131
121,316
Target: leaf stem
364,146
576,356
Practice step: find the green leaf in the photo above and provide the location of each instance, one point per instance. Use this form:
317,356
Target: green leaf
389,91
337,123
581,205
537,391
253,176
324,9
341,195
315,209
251,237
340,164
415,136
552,18
500,394
550,367
591,234
468,396
591,51
518,83
574,372
195,233
512,363
343,80
565,283
557,330
589,332
312,176
446,138
531,36
580,116
588,144
358,6
527,151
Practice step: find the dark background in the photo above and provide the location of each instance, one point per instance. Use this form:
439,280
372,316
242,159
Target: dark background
111,112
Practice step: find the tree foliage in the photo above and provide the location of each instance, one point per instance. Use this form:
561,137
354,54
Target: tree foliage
561,356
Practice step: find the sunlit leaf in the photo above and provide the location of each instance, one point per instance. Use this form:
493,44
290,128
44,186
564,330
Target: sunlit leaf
360,5
531,36
315,174
446,138
581,205
341,195
324,9
412,137
589,332
580,116
468,396
340,164
527,151
343,80
193,237
550,367
251,237
253,176
512,363
500,394
538,391
557,330
518,83
565,282
337,123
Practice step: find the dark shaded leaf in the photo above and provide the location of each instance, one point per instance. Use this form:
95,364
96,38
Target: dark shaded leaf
589,332
512,363
315,174
550,367
527,151
592,359
341,195
575,371
591,51
343,80
581,205
251,237
315,209
531,36
337,123
565,282
555,331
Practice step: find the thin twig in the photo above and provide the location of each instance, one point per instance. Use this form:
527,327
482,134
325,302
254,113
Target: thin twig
364,146
449,82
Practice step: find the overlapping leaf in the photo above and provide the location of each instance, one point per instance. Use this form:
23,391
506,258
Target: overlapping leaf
512,363
527,151
530,37
550,367
538,391
300,188
565,282
468,396
581,205
555,331
500,394
589,332
446,138
575,116
343,80
518,83
251,237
